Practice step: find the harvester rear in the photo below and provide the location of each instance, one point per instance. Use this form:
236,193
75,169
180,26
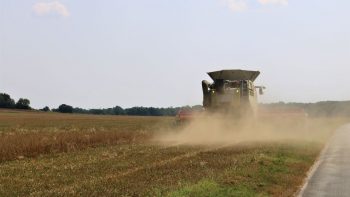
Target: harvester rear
232,92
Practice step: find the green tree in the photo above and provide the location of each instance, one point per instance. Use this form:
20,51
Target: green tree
65,108
117,110
23,103
6,101
46,108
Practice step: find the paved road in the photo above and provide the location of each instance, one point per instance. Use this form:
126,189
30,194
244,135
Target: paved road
332,175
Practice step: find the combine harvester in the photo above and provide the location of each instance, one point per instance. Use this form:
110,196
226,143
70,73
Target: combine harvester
234,93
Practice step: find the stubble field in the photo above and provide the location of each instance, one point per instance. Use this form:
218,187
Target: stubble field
51,154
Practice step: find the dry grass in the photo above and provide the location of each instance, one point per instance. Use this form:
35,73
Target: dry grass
13,146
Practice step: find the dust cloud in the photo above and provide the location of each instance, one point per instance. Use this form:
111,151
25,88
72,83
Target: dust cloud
218,130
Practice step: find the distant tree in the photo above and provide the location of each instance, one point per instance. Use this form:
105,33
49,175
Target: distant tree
153,111
108,111
137,111
46,108
6,101
80,110
23,103
65,108
96,111
117,110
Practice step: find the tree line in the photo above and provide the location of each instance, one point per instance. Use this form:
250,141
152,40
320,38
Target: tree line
117,110
7,102
319,109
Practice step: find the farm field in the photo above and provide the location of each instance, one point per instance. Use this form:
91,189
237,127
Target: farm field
51,154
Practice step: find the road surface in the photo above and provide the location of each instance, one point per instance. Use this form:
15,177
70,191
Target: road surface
331,175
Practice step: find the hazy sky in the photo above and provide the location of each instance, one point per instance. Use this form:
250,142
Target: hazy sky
91,53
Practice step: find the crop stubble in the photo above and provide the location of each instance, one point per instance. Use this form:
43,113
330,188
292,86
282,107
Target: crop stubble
132,166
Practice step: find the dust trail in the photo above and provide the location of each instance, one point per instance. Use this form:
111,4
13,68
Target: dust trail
217,130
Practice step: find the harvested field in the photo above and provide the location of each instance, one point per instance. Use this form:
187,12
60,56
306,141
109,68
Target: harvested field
49,154
29,134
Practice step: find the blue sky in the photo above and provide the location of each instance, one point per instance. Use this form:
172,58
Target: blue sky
156,52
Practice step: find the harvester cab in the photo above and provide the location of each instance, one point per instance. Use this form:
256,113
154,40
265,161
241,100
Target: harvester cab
232,91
